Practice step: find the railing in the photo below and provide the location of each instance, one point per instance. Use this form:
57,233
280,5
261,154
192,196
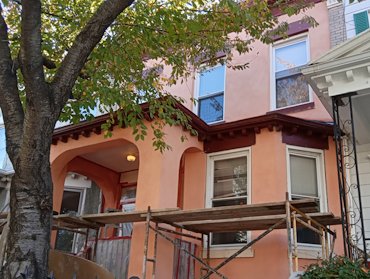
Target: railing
355,245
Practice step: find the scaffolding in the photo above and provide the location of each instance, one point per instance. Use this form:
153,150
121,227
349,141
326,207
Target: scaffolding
289,215
199,224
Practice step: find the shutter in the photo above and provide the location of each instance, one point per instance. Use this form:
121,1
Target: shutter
361,21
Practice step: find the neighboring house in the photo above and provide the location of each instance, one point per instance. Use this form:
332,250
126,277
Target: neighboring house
357,15
262,133
341,79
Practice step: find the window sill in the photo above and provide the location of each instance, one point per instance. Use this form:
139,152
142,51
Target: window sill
310,252
215,122
225,252
293,109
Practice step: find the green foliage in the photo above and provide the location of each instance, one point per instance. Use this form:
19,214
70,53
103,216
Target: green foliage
150,37
337,267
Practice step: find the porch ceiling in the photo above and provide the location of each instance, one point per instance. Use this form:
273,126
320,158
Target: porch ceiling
114,158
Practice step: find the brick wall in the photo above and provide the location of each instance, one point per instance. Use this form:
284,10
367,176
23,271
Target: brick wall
336,24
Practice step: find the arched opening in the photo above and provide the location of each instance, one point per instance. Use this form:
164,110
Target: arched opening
190,182
98,178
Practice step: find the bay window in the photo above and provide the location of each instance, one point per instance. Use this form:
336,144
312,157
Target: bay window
306,181
228,184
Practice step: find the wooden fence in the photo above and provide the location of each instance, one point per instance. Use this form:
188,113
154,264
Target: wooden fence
114,254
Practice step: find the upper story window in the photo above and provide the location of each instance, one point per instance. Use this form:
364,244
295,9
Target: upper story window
210,92
361,21
228,184
289,87
306,180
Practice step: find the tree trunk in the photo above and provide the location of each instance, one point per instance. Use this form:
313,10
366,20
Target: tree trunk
31,204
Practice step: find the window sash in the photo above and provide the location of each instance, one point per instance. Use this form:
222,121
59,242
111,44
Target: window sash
217,72
228,239
215,115
291,70
305,235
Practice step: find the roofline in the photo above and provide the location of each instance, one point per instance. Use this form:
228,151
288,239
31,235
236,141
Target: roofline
206,132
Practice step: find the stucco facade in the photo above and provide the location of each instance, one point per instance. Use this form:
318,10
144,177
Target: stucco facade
180,177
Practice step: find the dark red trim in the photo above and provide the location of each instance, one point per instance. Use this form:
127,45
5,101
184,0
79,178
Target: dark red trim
221,144
223,136
308,140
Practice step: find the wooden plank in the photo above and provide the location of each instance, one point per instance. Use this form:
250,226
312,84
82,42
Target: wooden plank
122,217
75,222
251,223
225,212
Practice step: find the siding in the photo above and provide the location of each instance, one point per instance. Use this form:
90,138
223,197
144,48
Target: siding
363,152
351,9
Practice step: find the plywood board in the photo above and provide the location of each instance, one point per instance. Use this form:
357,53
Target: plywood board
251,223
226,212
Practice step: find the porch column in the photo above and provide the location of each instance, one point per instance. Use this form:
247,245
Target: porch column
157,188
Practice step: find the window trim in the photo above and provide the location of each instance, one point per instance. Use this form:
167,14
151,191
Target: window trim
318,155
223,155
196,92
280,44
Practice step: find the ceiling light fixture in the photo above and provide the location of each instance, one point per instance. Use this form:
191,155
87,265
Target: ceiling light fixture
131,158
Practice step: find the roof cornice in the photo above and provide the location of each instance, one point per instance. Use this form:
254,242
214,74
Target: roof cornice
271,121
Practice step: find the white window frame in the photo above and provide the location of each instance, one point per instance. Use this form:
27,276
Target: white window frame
196,92
284,43
223,155
318,155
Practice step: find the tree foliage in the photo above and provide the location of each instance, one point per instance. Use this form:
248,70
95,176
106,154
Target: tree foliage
124,69
337,267
60,59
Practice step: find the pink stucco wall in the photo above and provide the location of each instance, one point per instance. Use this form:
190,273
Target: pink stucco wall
247,92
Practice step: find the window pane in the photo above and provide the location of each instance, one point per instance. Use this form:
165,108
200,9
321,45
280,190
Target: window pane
211,109
305,235
291,90
291,56
229,237
240,201
70,203
230,188
303,176
212,81
230,178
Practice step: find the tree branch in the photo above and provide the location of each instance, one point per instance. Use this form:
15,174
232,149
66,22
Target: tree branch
10,102
84,44
31,59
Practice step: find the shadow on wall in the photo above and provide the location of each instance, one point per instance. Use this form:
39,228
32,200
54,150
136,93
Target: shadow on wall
66,266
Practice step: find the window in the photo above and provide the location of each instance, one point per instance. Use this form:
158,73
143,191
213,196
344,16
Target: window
306,181
228,184
289,87
361,21
71,202
210,93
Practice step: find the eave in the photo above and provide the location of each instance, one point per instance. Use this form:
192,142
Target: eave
246,128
